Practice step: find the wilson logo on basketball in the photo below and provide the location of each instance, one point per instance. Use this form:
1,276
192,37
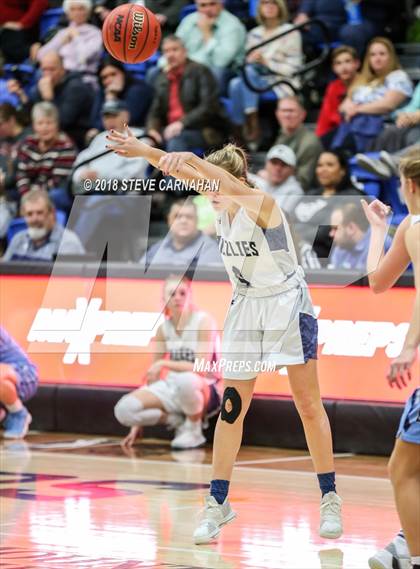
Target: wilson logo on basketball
138,20
117,28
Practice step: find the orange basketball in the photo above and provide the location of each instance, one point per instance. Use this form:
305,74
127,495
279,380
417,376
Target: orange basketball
131,33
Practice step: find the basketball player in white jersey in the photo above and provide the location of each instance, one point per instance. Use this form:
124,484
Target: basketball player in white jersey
404,465
271,319
180,399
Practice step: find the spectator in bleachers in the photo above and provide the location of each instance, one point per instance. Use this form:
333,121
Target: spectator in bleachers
186,112
110,166
305,144
12,132
379,89
283,56
395,140
350,234
352,22
18,383
45,158
79,44
214,37
72,97
44,238
18,27
117,84
280,180
115,116
184,244
345,64
312,214
167,12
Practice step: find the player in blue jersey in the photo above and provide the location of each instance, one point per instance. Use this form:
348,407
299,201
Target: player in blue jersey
404,466
18,383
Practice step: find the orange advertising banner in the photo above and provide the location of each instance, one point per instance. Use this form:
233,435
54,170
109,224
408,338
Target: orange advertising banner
99,331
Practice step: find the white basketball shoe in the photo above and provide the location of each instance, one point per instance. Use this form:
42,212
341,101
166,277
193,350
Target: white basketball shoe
394,556
331,525
214,516
188,435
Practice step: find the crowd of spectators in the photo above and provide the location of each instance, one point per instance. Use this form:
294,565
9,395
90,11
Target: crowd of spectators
60,91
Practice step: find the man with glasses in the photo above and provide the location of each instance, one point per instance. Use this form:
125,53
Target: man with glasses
214,37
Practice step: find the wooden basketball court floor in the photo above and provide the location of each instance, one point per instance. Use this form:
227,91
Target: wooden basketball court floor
81,502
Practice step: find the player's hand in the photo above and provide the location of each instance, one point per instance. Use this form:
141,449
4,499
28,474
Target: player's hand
125,143
173,161
376,213
130,439
399,372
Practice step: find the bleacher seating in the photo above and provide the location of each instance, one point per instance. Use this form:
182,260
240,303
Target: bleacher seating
49,20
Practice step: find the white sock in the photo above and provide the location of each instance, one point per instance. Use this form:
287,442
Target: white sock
17,406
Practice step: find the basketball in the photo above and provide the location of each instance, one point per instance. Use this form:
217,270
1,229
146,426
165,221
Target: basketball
131,33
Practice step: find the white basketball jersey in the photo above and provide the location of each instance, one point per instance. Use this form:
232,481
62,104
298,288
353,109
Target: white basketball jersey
183,345
255,257
414,219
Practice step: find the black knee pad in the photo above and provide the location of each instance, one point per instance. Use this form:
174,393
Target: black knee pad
231,394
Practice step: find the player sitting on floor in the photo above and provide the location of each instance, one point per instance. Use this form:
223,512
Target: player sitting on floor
180,399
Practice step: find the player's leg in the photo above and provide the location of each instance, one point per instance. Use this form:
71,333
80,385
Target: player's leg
404,463
404,470
140,408
237,396
306,394
192,394
18,417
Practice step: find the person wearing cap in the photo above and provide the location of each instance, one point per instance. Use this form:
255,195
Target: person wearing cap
110,166
278,177
291,115
79,44
115,115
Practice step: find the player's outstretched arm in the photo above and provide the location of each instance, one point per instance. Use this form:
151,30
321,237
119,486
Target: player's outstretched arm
188,166
127,145
384,270
261,206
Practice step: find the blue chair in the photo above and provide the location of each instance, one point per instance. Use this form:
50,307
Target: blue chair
372,185
187,10
253,8
137,70
26,71
390,195
48,20
16,226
